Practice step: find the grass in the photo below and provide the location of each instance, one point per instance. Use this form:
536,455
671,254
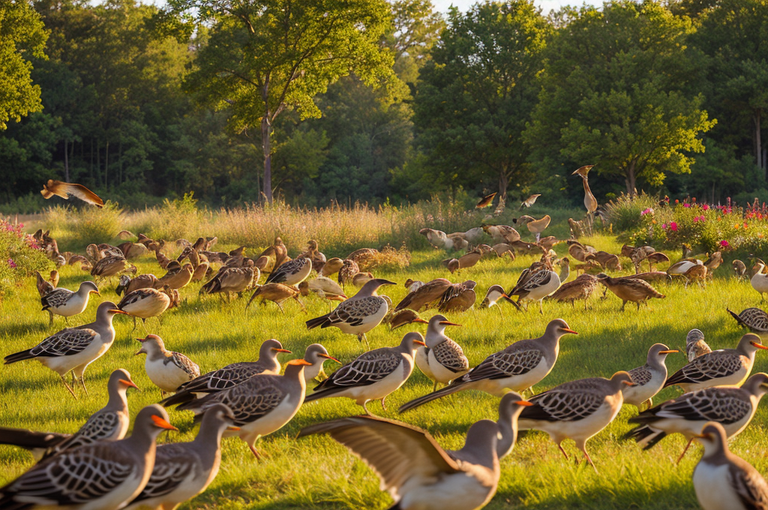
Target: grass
317,472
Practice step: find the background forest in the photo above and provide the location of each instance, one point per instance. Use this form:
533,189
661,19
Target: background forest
364,100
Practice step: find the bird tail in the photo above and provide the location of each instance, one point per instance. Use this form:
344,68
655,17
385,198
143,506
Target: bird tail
646,436
28,438
19,356
181,397
736,316
443,392
321,321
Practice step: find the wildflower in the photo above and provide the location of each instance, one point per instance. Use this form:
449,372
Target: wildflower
693,200
745,224
673,226
705,207
664,226
12,263
695,219
677,201
653,221
646,211
724,243
686,205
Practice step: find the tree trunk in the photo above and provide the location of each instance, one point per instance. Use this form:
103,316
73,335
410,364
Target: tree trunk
106,166
66,162
631,179
503,185
758,142
266,132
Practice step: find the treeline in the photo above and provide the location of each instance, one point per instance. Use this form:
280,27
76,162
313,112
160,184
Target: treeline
363,100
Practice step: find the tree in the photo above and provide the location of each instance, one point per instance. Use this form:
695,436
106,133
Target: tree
738,71
22,36
264,56
614,95
477,93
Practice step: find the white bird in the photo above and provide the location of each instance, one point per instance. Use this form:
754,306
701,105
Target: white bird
316,355
535,287
442,360
145,303
292,272
359,314
516,368
760,281
166,369
102,475
414,469
372,375
66,303
724,481
73,349
695,345
649,378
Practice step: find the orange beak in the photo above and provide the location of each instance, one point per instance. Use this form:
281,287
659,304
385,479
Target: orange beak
160,422
130,384
326,356
420,321
524,403
95,292
629,383
282,350
419,342
115,310
233,428
448,323
569,331
670,351
759,346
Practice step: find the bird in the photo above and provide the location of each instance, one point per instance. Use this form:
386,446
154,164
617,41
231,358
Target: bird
502,233
486,201
145,303
441,359
713,262
730,406
43,285
581,288
459,297
576,410
73,349
437,238
501,249
331,267
70,189
110,423
128,284
722,480
291,273
590,202
184,470
373,375
492,296
359,314
629,289
414,469
723,367
166,369
316,355
177,277
262,404
102,475
510,407
739,268
516,368
535,227
425,295
313,253
326,288
231,279
230,375
697,273
753,319
403,318
535,286
648,378
111,265
275,292
680,267
66,303
528,202
695,345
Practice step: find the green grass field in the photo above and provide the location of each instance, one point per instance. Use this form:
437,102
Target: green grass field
317,472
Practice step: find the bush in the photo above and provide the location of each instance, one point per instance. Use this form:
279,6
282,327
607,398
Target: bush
20,257
624,213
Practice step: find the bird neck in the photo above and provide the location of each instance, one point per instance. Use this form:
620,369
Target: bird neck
565,272
508,427
117,398
207,444
269,362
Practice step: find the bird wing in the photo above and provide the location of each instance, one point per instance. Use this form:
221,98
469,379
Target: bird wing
184,363
707,367
451,356
135,296
249,401
99,426
749,485
424,295
66,342
509,362
641,375
355,311
223,378
67,189
396,452
74,477
537,279
172,467
280,274
366,369
723,405
57,298
568,402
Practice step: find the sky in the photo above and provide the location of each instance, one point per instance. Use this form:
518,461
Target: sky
546,5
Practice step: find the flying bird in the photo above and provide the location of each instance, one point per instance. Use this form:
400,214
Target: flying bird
67,189
486,201
528,202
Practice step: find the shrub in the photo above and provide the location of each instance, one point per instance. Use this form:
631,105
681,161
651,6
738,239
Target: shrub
624,213
20,257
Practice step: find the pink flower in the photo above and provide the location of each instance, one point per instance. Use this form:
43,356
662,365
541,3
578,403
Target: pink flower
705,207
664,226
686,205
673,226
12,263
695,219
724,243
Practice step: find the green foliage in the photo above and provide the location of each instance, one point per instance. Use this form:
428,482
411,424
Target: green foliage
624,212
84,225
20,257
22,35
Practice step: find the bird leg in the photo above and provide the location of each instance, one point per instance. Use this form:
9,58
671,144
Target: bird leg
383,405
50,318
82,382
623,304
434,387
586,456
280,307
559,445
684,451
134,322
255,453
69,389
66,321
638,306
365,407
541,307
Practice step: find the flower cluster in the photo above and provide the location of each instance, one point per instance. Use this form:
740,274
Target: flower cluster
647,211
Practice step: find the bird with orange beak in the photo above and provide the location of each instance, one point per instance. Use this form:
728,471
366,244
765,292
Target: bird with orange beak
441,359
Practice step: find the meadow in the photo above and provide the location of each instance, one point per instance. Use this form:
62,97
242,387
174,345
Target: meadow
316,472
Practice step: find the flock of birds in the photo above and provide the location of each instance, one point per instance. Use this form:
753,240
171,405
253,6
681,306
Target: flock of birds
98,467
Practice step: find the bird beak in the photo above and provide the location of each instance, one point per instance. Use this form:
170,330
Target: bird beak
504,296
449,323
420,321
387,282
628,383
115,310
95,292
130,384
140,351
759,346
162,423
670,351
281,350
233,428
569,331
524,403
326,356
419,342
